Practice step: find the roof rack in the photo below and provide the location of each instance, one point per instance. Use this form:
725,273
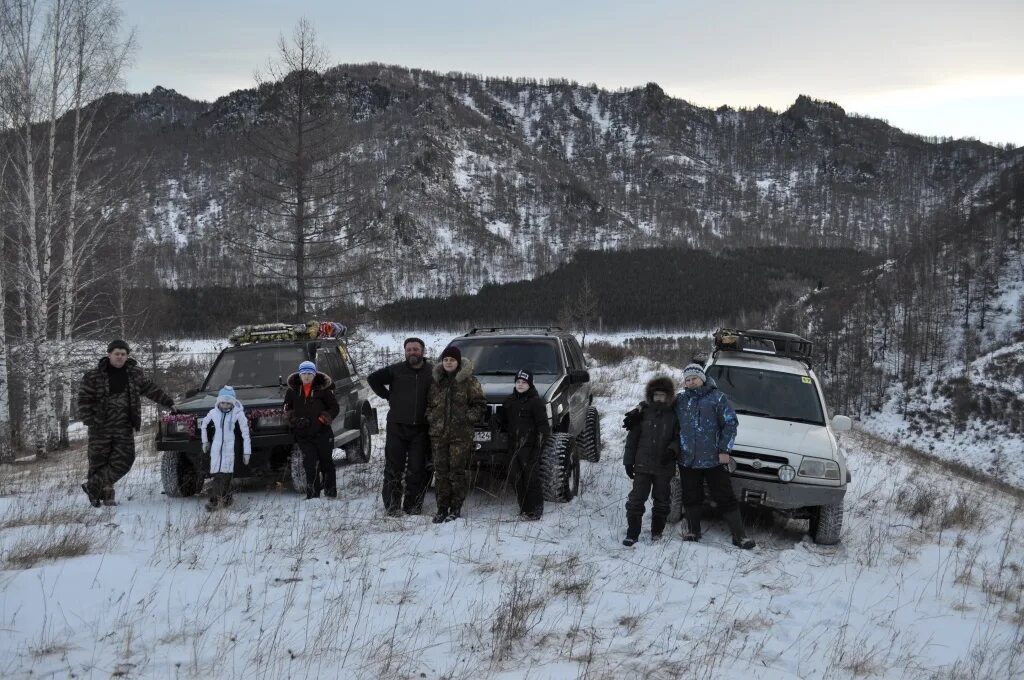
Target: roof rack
506,329
286,332
773,343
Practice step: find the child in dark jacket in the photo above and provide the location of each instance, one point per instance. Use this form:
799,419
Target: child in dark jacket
311,406
652,448
523,417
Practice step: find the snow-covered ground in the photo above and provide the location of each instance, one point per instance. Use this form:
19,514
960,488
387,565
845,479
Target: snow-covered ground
927,582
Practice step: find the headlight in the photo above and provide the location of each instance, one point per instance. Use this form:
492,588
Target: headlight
787,473
278,420
547,409
820,468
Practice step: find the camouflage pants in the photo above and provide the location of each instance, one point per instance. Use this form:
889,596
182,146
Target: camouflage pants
111,456
451,472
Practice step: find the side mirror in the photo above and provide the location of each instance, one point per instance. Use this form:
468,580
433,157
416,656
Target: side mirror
191,392
842,423
579,376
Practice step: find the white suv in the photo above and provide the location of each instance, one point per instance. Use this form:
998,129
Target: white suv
786,456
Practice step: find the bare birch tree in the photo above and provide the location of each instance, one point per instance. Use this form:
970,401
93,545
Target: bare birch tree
60,55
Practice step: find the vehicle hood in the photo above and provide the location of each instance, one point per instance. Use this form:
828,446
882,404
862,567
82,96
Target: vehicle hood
756,433
497,387
250,397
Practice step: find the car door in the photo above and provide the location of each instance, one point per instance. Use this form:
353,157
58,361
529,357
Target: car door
329,361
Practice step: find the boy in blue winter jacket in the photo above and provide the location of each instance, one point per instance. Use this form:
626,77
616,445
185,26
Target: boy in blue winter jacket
225,416
707,432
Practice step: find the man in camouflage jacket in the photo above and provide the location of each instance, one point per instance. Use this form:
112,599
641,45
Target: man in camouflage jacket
110,405
454,404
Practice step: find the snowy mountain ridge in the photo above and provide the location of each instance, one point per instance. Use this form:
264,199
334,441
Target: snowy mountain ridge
476,180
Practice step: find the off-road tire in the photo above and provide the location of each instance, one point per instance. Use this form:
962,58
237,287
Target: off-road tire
297,471
675,500
826,524
359,450
560,468
590,438
178,476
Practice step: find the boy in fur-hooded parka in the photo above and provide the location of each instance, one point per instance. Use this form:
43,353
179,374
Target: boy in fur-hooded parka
652,447
225,416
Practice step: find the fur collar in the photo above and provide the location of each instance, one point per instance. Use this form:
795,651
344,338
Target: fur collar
462,375
321,381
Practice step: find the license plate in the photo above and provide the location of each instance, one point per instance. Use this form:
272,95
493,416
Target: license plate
481,436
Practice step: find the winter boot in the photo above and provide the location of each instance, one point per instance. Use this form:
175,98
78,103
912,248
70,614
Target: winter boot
657,528
227,500
94,500
739,537
330,493
453,514
212,504
108,497
632,530
440,515
691,532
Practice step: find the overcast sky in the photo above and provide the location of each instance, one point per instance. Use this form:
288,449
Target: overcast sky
933,68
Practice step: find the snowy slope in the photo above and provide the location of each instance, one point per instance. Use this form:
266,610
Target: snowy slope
278,587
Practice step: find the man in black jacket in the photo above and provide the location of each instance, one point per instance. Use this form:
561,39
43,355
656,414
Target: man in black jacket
405,385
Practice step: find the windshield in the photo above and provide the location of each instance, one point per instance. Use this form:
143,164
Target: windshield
770,394
506,357
254,367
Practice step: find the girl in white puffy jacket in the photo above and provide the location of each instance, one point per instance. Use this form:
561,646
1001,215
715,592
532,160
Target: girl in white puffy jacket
227,413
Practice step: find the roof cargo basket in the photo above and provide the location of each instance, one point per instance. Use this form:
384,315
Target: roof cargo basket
285,332
511,329
764,342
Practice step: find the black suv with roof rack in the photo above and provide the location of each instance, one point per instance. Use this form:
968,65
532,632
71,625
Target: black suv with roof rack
561,378
257,365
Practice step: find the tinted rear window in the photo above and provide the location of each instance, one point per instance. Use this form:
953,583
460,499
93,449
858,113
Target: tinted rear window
506,357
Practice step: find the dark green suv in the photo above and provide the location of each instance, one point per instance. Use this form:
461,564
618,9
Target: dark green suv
258,371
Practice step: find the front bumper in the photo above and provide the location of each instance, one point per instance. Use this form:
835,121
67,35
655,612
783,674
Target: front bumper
782,496
259,441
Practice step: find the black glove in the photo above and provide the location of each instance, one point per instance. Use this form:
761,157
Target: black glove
632,419
629,470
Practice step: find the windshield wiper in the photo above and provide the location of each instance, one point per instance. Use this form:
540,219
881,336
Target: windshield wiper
496,372
793,419
752,412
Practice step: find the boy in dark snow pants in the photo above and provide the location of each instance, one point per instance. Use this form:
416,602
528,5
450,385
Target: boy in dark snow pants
707,432
652,448
523,417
